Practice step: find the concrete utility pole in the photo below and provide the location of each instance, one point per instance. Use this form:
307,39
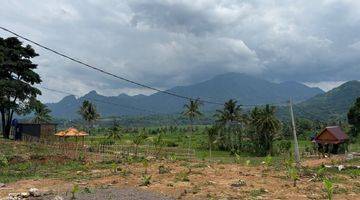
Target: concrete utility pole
296,145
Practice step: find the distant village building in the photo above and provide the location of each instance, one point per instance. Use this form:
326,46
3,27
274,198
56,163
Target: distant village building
330,138
35,130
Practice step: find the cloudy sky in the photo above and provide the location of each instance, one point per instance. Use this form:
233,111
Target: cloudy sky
166,43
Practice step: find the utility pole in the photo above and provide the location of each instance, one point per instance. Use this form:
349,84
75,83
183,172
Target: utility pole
296,145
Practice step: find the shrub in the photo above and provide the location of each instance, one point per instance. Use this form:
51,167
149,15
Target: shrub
283,146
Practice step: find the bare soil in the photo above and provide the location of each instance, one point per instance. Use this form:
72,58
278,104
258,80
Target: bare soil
206,181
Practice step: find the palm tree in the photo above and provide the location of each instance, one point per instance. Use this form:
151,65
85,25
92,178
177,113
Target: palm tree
266,125
192,111
41,113
88,113
230,114
115,132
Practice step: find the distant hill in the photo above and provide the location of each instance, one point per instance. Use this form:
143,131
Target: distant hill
332,105
245,89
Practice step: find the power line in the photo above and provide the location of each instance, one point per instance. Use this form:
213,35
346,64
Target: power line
102,101
105,72
120,77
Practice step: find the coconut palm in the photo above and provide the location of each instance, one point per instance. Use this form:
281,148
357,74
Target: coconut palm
192,111
41,113
266,126
227,117
88,113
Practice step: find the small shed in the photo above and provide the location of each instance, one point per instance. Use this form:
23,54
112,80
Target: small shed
36,130
331,135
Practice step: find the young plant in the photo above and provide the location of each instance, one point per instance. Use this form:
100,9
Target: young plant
3,161
294,175
268,161
320,173
145,163
329,188
145,180
74,190
138,140
159,143
237,158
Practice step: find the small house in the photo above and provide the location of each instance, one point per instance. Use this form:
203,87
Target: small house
35,130
331,136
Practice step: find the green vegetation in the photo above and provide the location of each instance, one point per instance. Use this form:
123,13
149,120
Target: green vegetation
354,118
89,113
17,79
329,188
41,113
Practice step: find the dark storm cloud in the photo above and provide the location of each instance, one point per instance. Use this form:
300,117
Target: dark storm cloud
167,43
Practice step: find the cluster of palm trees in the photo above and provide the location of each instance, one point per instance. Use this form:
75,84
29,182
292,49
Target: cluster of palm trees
235,131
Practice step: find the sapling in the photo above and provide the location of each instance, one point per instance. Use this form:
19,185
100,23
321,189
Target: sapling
329,188
74,190
294,175
145,180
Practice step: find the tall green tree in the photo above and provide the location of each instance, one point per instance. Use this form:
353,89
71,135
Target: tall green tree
89,113
354,118
41,113
266,127
228,118
17,79
192,111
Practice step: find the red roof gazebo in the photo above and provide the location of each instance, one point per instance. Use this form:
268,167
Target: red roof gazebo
331,135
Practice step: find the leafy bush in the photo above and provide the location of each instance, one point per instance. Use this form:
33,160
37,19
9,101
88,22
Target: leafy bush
282,146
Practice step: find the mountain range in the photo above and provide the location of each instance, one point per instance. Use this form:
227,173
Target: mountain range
244,88
332,105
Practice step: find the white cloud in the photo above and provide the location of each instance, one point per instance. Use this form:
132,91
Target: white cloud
325,85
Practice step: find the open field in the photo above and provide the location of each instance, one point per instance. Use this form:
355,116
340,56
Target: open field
37,166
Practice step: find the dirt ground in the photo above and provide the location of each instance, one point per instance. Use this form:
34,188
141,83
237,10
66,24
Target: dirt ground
205,181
